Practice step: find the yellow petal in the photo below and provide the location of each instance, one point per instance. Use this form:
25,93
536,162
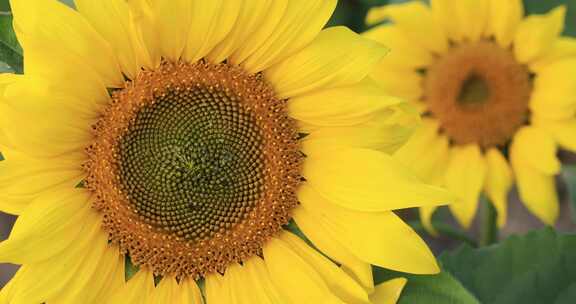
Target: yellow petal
170,291
136,290
563,131
48,281
51,23
504,19
404,53
117,279
534,161
465,178
64,87
554,93
427,167
337,57
376,15
43,124
415,19
498,183
536,34
426,214
367,180
113,20
215,290
251,15
87,286
341,106
45,71
258,28
322,240
24,178
291,273
536,148
389,291
386,131
165,292
537,190
47,135
563,48
424,135
145,20
188,292
7,79
374,237
47,227
251,283
337,280
472,17
443,13
211,21
300,23
173,20
404,83
234,284
27,93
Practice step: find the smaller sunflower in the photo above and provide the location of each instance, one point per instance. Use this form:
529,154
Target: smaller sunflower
496,96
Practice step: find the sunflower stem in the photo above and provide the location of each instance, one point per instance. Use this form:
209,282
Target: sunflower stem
488,226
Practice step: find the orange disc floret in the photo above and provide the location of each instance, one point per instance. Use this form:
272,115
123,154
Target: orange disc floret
194,166
479,93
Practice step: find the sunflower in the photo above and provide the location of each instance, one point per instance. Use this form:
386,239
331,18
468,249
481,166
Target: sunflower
495,93
179,151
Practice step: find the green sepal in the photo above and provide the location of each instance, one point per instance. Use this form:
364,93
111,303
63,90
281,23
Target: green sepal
10,50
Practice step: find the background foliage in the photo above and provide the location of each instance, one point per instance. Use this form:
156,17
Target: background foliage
537,268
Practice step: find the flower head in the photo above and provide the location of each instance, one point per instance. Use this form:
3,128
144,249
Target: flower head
494,90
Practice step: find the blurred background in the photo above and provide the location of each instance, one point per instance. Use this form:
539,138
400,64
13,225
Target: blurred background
351,13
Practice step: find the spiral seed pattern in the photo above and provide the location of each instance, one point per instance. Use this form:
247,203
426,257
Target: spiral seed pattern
193,167
191,163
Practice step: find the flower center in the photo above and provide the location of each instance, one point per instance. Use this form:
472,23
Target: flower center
194,166
190,163
479,93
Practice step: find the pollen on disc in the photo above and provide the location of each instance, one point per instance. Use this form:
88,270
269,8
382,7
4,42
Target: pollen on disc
194,166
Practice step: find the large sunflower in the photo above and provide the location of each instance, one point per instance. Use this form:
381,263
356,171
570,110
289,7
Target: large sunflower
181,137
496,93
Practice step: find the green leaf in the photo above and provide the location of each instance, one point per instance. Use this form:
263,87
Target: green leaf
374,2
4,5
536,268
539,267
569,175
541,7
567,296
129,269
10,50
428,289
350,14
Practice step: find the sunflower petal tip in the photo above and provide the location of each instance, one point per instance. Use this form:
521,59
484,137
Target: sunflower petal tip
559,11
435,268
376,15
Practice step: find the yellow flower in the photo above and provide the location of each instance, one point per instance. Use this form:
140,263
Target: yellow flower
186,135
497,94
